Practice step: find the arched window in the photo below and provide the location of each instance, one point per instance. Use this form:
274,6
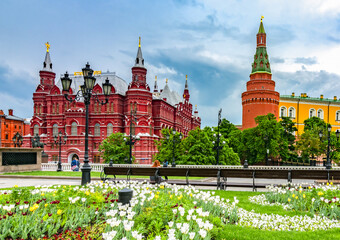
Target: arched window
320,113
109,129
36,129
291,113
97,129
311,113
74,129
337,116
283,111
55,130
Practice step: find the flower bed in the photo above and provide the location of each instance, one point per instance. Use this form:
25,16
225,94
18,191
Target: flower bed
155,212
322,200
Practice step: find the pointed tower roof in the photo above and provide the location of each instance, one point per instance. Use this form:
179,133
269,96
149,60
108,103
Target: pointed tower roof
261,28
261,58
139,59
155,88
186,94
47,63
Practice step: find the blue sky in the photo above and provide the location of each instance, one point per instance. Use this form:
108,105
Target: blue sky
211,41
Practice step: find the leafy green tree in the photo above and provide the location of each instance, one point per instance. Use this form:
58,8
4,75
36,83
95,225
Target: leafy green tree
287,146
315,124
195,149
235,141
266,135
198,148
226,128
310,145
114,147
166,147
335,151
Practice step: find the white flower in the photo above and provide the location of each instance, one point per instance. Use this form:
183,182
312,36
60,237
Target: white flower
188,217
109,235
203,233
171,224
157,238
191,235
178,225
83,199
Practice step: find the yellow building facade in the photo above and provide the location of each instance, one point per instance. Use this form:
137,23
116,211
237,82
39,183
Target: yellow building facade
300,108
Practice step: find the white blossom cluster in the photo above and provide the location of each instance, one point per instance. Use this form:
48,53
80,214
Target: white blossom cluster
284,223
262,200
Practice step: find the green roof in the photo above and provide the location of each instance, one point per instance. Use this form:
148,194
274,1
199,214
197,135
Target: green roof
261,28
261,61
310,98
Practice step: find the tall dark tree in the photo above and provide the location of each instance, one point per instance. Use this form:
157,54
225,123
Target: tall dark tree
287,146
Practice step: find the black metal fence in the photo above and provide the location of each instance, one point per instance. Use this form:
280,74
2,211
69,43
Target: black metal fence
19,158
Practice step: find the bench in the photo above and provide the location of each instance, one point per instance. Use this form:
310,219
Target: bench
220,174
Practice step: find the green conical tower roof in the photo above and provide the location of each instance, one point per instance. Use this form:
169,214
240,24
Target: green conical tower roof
261,28
261,59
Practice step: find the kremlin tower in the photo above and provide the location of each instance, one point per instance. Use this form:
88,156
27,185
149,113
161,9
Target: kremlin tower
260,97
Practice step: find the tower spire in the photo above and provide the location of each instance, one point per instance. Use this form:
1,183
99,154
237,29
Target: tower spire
47,63
155,88
139,59
261,60
186,94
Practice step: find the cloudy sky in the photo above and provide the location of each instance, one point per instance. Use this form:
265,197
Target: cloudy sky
211,41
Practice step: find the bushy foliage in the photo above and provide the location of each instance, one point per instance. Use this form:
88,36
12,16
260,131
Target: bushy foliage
114,147
196,149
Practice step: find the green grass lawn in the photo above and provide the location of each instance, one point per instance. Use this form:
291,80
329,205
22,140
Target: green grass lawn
78,174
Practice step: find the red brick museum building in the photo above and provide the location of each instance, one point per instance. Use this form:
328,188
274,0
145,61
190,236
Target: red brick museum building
154,111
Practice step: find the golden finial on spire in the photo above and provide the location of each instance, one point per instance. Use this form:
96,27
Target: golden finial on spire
166,80
139,42
262,17
156,78
186,77
47,47
196,106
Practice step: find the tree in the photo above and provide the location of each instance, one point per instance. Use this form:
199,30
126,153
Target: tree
287,146
226,128
310,145
115,148
195,149
256,141
315,124
198,148
166,147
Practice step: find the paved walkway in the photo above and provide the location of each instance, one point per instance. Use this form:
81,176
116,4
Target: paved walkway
7,181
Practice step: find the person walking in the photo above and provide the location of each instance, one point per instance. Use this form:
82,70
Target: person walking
75,163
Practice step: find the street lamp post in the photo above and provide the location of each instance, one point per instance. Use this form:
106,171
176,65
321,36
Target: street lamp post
58,139
86,94
217,146
132,138
267,149
174,141
328,163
